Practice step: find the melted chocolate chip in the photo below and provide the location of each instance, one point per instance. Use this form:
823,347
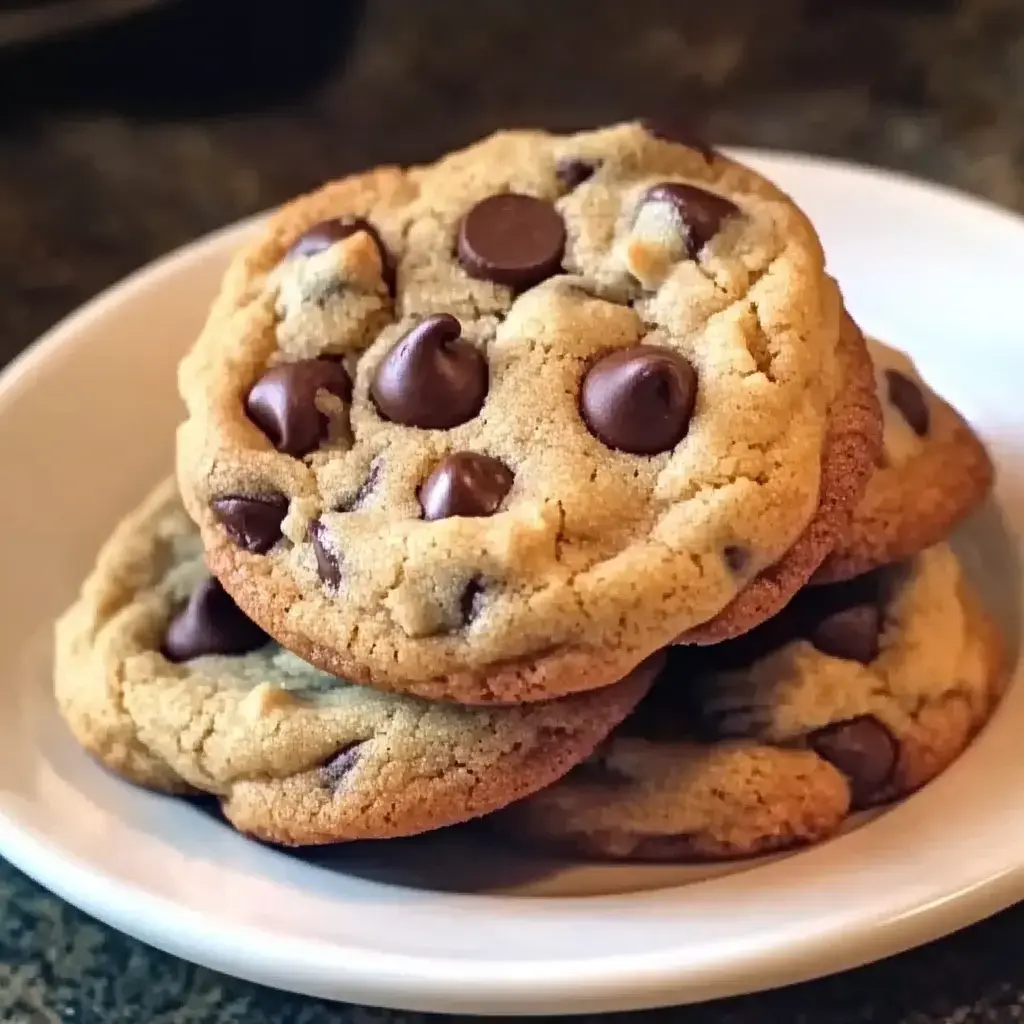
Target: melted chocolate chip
471,601
211,623
282,403
363,495
736,557
843,620
512,239
861,748
701,212
907,396
639,399
252,523
431,378
325,234
851,633
571,173
341,764
676,129
465,484
328,565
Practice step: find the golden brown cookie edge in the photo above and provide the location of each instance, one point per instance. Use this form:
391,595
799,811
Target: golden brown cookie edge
279,811
936,491
852,447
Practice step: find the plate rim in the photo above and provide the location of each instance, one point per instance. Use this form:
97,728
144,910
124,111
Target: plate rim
569,985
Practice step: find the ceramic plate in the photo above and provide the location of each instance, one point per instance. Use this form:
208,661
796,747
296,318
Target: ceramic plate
443,922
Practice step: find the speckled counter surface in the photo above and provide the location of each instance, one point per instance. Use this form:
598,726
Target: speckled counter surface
91,192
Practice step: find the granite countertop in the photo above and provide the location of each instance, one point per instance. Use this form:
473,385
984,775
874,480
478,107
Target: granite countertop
101,171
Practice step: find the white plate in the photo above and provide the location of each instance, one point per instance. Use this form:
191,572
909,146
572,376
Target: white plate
86,424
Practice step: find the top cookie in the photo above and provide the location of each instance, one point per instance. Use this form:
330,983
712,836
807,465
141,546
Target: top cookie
933,472
497,428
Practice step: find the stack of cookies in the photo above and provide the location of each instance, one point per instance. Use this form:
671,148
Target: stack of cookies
548,482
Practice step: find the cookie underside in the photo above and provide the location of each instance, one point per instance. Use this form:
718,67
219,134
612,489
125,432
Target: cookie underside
294,755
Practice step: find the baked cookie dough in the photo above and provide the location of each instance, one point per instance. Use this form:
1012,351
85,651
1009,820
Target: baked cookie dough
933,472
858,694
496,429
167,683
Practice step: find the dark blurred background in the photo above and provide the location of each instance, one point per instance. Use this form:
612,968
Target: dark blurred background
124,140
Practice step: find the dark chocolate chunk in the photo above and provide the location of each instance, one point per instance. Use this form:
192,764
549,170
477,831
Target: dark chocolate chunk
639,399
863,749
472,600
512,239
365,492
328,564
333,773
700,212
737,557
282,403
851,633
465,484
906,395
253,523
572,173
211,623
323,235
431,378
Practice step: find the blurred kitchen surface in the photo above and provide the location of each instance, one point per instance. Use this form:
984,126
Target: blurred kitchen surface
121,141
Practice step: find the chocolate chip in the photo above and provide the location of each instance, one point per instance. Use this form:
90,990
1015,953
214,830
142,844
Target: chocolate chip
677,130
639,399
471,602
431,378
465,484
365,490
252,523
282,403
512,239
905,394
211,623
325,234
328,565
334,771
700,211
572,172
850,633
862,749
736,558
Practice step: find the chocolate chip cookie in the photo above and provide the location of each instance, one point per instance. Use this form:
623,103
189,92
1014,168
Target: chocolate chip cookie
497,428
163,678
857,694
933,472
854,433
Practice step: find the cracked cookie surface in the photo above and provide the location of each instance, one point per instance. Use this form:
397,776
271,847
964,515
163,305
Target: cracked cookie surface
165,681
532,411
934,471
779,738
